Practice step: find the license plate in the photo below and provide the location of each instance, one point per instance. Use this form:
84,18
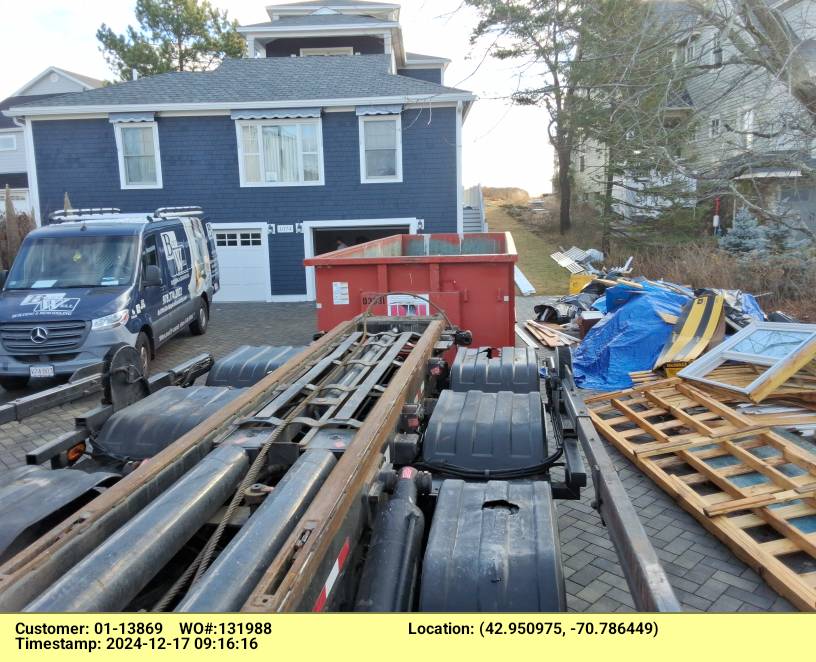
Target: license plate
41,370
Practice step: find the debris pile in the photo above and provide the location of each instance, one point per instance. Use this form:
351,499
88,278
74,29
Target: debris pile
715,402
635,329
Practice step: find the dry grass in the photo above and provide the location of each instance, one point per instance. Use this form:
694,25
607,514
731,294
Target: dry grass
533,250
678,253
508,194
783,283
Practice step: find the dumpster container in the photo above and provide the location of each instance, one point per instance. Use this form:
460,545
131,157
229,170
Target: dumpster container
468,276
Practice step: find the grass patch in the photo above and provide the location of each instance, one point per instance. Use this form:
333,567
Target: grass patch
533,250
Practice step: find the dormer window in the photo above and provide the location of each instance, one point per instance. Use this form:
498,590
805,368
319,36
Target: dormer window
329,50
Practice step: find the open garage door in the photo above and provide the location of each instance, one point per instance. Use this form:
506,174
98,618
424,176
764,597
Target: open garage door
327,240
321,237
243,260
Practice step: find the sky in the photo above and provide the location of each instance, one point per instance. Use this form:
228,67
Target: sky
503,144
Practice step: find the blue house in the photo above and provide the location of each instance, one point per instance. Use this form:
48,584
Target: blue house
328,133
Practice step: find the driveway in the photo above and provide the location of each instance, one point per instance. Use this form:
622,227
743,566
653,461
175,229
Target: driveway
231,325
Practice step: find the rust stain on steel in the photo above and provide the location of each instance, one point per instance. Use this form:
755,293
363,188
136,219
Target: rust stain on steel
297,563
41,550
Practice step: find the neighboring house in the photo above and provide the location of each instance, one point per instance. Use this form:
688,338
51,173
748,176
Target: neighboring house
13,166
730,108
290,155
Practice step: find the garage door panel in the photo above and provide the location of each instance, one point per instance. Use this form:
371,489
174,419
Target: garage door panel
243,259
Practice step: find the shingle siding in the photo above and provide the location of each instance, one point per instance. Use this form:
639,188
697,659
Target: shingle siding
200,167
430,75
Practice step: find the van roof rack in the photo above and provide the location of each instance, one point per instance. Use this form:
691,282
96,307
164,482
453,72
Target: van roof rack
75,214
189,210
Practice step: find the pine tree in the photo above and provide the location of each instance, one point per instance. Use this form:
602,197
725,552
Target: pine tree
746,236
173,35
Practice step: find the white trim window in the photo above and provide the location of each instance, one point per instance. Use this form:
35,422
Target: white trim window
380,149
8,142
280,152
327,50
137,144
714,127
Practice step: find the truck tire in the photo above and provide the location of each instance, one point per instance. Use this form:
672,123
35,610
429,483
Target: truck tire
13,383
143,347
198,327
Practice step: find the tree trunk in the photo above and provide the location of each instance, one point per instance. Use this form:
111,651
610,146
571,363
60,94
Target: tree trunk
565,190
606,218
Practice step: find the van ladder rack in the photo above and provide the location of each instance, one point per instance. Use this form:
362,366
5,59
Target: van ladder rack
75,214
162,212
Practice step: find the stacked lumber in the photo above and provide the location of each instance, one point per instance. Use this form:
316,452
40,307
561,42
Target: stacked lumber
799,386
644,376
752,486
548,335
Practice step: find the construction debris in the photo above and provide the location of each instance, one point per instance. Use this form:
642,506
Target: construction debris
549,335
762,360
722,414
697,327
750,484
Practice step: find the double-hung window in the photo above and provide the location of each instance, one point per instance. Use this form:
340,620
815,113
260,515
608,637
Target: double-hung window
139,159
380,149
280,153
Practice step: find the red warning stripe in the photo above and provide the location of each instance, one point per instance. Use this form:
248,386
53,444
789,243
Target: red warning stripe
334,573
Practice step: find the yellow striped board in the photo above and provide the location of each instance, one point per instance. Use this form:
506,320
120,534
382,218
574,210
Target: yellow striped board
694,331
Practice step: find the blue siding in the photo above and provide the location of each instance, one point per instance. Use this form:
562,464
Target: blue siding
428,75
200,167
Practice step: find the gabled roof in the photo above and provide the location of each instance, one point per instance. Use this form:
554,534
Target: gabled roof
81,80
258,82
88,80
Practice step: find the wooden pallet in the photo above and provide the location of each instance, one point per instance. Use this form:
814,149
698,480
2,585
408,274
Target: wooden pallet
752,487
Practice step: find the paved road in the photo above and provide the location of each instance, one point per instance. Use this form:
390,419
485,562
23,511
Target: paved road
704,573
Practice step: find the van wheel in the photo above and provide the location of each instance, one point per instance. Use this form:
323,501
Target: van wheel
143,348
198,327
13,383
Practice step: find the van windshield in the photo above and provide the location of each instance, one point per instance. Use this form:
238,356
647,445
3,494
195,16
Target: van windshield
74,261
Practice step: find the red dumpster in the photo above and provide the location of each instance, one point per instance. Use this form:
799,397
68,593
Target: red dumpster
470,277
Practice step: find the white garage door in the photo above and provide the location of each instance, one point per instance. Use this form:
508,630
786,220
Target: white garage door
243,259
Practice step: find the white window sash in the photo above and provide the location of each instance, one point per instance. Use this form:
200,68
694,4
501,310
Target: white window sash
363,120
260,152
328,50
118,127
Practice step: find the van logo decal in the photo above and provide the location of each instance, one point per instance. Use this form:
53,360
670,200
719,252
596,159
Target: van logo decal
39,335
53,303
173,251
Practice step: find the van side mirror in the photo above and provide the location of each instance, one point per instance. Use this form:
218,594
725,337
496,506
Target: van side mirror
3,276
152,276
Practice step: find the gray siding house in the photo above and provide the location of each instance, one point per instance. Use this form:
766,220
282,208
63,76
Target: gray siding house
327,133
13,163
743,121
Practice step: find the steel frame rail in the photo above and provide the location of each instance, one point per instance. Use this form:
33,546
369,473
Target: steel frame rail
328,530
648,583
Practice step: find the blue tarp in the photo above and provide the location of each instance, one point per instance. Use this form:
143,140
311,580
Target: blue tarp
628,339
750,306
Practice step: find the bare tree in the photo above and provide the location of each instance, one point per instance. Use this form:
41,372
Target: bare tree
545,35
